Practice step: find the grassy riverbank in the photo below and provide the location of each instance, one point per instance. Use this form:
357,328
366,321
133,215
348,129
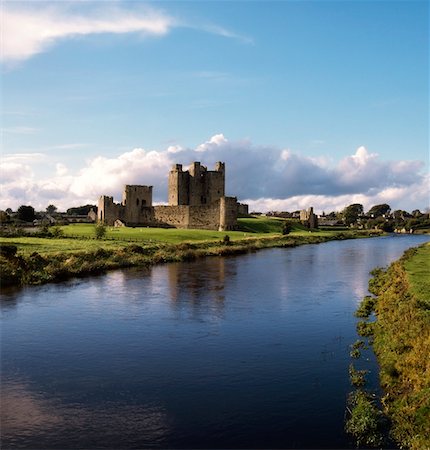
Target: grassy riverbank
78,253
401,340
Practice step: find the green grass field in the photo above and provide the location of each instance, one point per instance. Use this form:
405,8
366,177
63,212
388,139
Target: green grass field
81,237
418,273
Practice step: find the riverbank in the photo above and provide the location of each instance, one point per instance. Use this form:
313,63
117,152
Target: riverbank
401,341
32,261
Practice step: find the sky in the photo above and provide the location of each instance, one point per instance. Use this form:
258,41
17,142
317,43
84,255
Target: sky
309,103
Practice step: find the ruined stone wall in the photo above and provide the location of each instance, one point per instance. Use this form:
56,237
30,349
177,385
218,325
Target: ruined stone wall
213,186
308,218
197,185
205,217
228,213
177,216
196,200
179,186
242,209
108,211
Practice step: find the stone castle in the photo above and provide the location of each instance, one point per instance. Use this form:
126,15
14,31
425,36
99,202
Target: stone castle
196,200
308,218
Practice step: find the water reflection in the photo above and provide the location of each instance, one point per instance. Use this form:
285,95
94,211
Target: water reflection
26,413
247,351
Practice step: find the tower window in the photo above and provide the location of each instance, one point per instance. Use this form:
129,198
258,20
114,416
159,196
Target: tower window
137,202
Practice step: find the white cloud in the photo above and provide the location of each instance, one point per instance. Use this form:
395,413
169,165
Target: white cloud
60,169
28,31
266,177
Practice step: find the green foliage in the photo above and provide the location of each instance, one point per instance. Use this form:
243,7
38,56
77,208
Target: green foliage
226,240
355,353
51,209
351,213
357,377
78,252
56,232
4,217
286,229
100,230
26,213
366,422
402,344
366,307
81,210
365,329
379,210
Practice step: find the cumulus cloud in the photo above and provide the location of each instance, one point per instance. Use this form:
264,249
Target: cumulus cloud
266,177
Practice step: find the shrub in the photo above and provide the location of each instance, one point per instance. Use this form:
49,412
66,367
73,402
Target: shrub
134,248
56,232
366,307
365,328
357,377
286,229
226,240
100,230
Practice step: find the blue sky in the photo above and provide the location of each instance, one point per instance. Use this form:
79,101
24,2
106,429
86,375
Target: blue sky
99,94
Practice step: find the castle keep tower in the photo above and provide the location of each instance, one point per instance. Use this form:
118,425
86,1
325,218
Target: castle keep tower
196,186
196,200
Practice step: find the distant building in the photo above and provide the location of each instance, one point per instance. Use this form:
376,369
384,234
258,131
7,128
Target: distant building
308,218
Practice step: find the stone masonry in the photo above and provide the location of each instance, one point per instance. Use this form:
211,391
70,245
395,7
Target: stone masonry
308,218
196,200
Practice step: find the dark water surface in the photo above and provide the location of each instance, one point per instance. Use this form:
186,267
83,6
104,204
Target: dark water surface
240,352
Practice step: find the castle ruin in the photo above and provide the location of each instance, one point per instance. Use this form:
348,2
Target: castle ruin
196,200
308,218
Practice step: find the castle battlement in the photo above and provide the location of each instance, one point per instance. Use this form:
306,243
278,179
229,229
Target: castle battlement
196,200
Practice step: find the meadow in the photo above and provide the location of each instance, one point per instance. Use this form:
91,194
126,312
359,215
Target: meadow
74,250
82,237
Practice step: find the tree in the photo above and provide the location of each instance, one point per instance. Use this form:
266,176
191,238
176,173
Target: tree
51,209
81,210
4,217
100,230
379,210
26,213
416,213
286,228
351,213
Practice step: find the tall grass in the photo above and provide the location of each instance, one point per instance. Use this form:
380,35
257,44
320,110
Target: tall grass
401,341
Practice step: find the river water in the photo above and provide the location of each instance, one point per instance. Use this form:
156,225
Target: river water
240,352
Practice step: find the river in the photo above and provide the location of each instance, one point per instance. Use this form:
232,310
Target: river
249,351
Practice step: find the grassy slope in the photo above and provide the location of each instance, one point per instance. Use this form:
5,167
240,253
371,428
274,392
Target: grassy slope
418,273
402,345
40,260
80,237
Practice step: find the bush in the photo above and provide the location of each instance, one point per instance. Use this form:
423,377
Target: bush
100,230
365,328
286,229
357,377
226,240
366,307
56,232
